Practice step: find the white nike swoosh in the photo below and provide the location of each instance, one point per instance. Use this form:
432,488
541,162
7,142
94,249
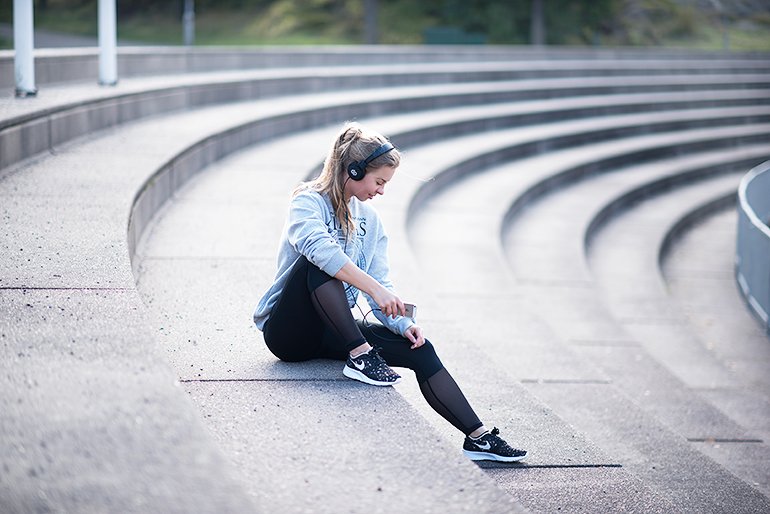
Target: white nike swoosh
361,366
485,446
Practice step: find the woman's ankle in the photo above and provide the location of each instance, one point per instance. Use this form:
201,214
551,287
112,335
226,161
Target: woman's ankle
359,350
478,432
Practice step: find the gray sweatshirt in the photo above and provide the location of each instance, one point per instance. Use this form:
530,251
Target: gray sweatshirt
312,230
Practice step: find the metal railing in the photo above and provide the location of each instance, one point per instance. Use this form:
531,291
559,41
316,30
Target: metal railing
752,259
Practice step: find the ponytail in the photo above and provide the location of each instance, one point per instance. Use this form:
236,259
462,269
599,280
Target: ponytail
354,143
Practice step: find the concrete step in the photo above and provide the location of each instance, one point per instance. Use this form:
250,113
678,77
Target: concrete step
645,312
304,114
67,65
108,175
698,272
415,128
193,229
507,404
553,261
311,141
366,439
650,452
578,301
39,124
545,246
93,420
507,316
81,182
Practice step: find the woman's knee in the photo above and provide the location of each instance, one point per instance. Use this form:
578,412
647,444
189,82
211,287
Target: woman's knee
427,362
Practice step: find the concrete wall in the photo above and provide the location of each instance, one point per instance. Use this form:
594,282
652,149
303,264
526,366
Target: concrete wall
81,64
752,260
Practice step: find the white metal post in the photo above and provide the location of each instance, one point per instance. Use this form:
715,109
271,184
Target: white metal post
188,22
108,42
23,45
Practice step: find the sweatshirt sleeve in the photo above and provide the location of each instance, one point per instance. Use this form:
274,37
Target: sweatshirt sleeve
380,271
310,231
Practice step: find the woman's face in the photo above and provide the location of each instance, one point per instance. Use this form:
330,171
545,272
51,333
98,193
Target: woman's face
371,185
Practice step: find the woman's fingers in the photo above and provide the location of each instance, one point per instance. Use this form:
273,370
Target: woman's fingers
401,310
391,305
415,336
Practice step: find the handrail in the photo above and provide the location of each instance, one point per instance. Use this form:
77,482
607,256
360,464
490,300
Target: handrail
752,260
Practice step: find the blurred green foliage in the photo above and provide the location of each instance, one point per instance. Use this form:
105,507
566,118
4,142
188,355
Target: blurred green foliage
694,23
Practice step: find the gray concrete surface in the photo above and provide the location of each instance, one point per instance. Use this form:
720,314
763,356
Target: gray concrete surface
56,66
189,215
28,128
731,337
193,206
219,350
74,312
477,231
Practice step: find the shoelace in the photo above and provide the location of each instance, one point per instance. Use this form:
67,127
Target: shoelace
502,443
381,364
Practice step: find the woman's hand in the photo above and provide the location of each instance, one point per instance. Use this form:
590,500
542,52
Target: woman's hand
390,304
414,334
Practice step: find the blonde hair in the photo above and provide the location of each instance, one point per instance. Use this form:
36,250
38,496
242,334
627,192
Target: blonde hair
354,143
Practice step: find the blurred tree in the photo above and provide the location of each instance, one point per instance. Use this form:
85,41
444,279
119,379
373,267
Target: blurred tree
554,22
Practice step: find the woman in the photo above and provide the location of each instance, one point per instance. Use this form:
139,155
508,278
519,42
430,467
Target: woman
333,246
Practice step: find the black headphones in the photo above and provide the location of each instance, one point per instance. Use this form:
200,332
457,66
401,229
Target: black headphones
357,169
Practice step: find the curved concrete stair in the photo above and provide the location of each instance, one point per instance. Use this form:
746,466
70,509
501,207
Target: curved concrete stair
162,270
175,148
497,335
462,191
69,112
698,273
293,145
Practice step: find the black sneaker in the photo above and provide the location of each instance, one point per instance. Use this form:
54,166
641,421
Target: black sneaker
370,368
491,447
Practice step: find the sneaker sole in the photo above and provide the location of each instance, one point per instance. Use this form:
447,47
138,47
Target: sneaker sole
357,375
492,456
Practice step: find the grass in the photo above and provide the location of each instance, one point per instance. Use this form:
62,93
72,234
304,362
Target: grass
753,37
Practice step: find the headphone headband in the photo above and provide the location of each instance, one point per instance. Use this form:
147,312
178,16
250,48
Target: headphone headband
357,169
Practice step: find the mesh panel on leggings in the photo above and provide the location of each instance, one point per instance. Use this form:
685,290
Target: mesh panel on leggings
445,397
331,304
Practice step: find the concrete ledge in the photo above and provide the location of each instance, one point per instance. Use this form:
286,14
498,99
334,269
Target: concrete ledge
567,139
96,109
698,214
649,189
175,172
63,65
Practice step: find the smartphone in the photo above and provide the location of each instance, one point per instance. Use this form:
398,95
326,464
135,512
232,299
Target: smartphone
411,310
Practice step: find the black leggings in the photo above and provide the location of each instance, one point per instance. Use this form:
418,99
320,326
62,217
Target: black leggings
312,319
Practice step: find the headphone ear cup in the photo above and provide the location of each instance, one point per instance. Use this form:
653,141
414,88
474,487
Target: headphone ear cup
355,171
